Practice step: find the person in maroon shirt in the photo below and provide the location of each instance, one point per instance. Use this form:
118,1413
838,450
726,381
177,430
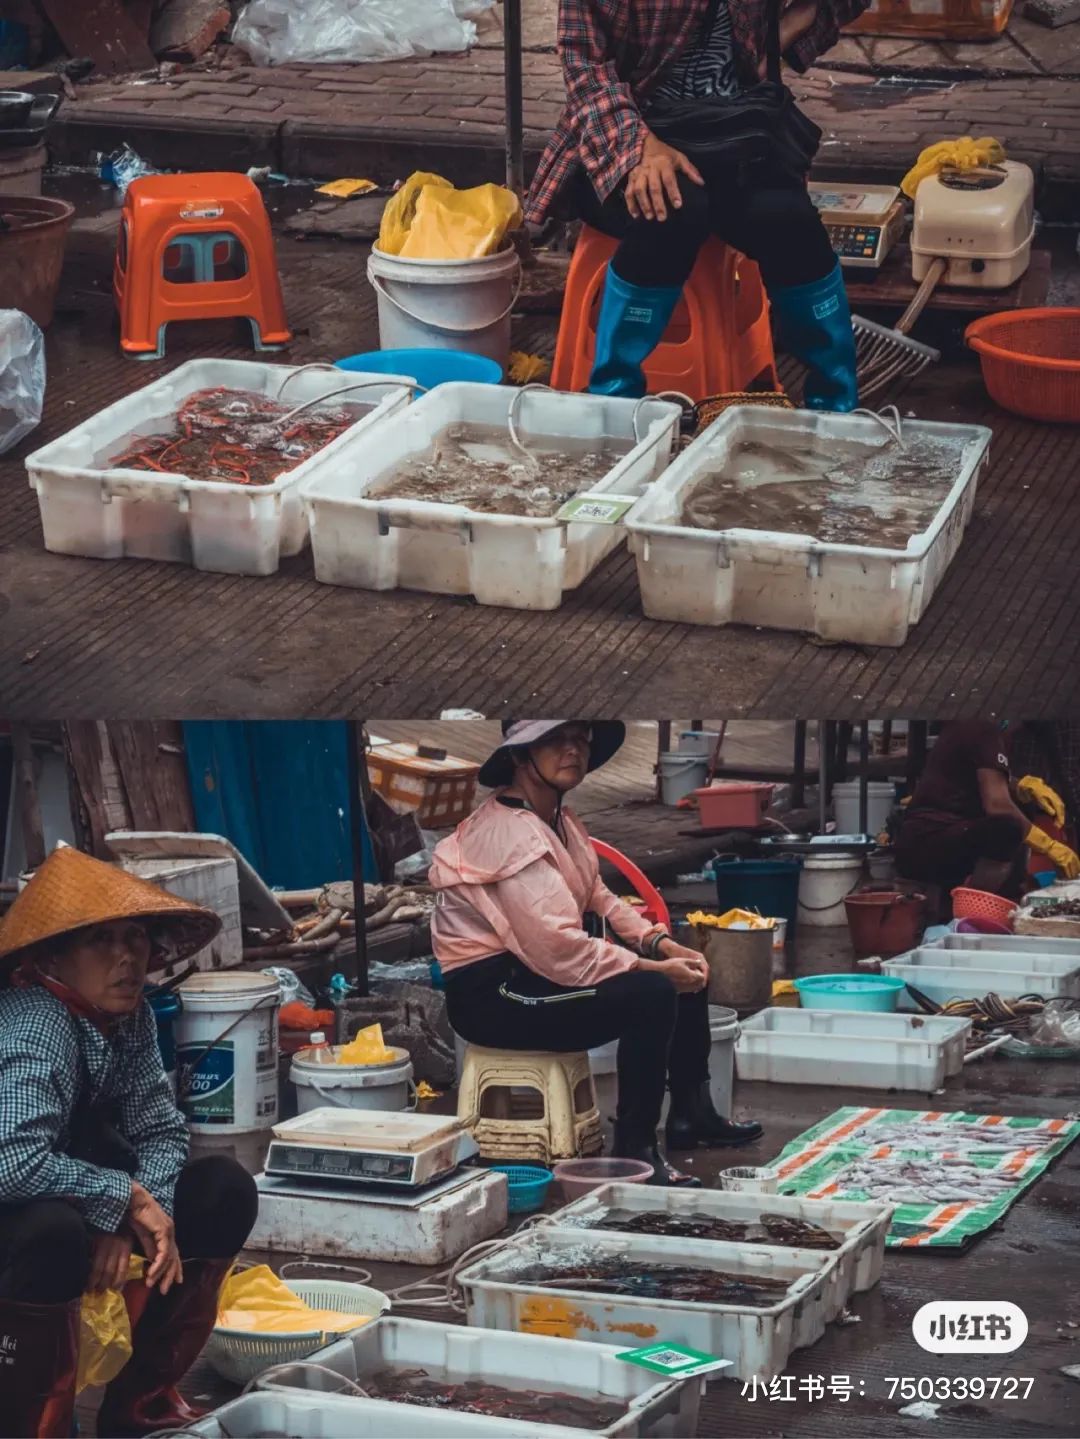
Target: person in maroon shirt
965,823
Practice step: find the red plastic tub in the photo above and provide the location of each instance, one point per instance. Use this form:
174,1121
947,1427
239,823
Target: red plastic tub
734,805
1031,361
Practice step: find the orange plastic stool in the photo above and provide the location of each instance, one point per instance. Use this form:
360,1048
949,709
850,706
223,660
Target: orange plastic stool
719,338
195,247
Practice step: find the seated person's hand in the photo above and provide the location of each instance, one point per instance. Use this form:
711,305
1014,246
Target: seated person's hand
156,1238
653,184
685,968
109,1256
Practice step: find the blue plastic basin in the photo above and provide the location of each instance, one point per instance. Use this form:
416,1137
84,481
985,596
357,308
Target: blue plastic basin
428,368
880,992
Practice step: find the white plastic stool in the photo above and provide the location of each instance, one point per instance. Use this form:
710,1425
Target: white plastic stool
527,1105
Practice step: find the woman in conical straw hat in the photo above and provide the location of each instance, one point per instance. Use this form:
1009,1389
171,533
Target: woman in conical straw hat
537,953
94,1152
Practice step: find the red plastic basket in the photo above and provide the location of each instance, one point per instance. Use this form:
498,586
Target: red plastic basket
978,904
1031,361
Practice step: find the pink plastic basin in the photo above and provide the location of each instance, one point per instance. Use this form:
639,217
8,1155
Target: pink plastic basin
576,1177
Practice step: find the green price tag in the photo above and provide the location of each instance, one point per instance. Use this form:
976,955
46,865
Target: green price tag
674,1361
595,509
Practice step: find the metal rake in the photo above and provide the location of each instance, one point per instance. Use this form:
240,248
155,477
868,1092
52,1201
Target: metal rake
884,357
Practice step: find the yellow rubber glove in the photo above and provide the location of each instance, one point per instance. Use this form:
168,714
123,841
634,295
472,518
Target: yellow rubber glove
1038,792
1060,855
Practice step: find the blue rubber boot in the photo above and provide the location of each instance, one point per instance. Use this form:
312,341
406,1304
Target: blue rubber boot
814,325
631,323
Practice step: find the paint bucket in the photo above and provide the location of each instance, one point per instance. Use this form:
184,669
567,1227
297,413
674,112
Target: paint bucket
766,886
227,1051
681,774
740,967
884,924
166,1007
746,1179
880,799
826,882
323,1083
446,304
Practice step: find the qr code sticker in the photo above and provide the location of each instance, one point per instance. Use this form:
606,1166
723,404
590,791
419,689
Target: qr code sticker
670,1358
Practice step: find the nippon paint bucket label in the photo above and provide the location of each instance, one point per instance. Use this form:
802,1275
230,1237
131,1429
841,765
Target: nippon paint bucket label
266,1041
208,1089
970,1326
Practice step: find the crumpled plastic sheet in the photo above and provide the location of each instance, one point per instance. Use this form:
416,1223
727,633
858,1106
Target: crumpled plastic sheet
22,377
1058,1026
277,32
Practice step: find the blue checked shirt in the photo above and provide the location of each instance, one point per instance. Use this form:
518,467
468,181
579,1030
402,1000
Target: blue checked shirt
47,1058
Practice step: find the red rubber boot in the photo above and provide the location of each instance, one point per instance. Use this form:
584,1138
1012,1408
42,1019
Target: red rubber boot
39,1362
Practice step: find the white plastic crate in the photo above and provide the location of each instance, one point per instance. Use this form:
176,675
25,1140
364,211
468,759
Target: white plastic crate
944,974
334,1225
330,1416
451,1354
839,592
511,560
863,1050
758,1342
860,1228
1014,944
213,525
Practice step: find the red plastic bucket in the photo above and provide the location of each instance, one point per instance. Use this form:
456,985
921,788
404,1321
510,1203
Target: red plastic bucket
883,923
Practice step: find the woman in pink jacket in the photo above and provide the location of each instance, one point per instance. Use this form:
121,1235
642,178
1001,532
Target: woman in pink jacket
537,953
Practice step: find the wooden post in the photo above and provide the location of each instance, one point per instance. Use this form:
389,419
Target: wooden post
356,745
26,797
515,109
798,782
663,744
864,776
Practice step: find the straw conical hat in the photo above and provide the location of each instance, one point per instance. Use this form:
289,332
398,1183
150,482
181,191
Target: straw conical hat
71,891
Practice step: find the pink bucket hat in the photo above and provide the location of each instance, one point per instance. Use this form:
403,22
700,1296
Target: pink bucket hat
498,768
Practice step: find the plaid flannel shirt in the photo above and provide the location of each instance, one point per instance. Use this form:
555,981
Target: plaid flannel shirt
613,54
49,1060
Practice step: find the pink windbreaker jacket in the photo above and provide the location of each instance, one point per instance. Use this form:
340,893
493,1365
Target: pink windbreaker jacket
506,881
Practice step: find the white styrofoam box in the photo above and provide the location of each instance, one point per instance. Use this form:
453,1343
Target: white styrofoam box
758,1342
860,1227
843,1046
782,581
1015,944
511,560
211,883
451,1354
90,509
338,1226
334,1416
944,974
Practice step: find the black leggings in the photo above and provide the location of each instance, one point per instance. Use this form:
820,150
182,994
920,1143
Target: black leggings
45,1245
769,218
946,853
662,1035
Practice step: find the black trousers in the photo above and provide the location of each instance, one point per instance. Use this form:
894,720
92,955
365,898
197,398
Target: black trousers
663,1036
938,852
765,214
45,1245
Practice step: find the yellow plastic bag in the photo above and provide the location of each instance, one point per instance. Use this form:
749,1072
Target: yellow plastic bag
965,153
105,1333
257,1300
367,1048
733,919
401,208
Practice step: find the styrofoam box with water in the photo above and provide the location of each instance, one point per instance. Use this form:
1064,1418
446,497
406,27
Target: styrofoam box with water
864,1050
518,561
225,527
848,592
280,1415
450,1354
860,1227
757,1341
944,974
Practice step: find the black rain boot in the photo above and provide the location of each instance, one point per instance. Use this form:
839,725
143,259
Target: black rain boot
627,1145
693,1121
40,1348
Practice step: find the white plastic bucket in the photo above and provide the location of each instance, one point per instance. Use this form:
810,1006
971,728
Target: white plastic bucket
745,1179
446,304
227,1051
682,774
825,882
323,1082
698,741
779,936
880,798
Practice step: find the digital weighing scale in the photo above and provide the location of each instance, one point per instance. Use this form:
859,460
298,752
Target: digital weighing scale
395,1149
864,222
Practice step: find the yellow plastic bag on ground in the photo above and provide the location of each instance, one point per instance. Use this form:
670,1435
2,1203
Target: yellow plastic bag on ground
367,1048
428,219
105,1333
965,153
400,210
257,1300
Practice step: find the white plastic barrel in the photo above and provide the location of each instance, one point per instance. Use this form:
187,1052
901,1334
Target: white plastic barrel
824,884
227,1052
880,798
446,304
681,774
322,1082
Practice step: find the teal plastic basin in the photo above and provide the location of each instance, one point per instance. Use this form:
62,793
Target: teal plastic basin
880,992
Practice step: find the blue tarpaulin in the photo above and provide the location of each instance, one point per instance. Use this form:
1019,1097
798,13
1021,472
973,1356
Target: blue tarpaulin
279,790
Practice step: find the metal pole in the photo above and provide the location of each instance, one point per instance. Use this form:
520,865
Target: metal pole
864,776
27,805
824,740
515,114
798,781
663,744
356,745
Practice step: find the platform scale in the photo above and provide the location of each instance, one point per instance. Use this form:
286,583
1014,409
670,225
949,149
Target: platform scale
391,1186
863,222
